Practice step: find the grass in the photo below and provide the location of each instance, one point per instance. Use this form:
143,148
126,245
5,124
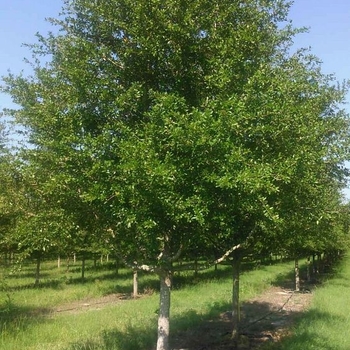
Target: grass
26,321
325,326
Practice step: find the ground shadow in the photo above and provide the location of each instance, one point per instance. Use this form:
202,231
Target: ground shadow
306,338
190,330
15,320
134,338
198,331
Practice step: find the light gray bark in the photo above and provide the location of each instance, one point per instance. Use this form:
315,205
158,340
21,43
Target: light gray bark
164,311
135,284
236,312
297,278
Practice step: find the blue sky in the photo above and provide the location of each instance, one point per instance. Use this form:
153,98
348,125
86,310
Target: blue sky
328,37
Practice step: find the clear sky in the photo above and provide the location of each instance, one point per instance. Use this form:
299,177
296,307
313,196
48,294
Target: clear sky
328,37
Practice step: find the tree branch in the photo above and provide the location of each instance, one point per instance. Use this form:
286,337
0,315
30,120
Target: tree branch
177,255
209,264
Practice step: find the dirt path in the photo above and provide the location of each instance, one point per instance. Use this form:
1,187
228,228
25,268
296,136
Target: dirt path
266,318
90,304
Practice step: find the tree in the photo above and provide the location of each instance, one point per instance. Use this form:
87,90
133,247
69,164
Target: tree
8,194
170,126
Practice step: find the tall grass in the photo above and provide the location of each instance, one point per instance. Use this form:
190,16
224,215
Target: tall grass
326,325
28,322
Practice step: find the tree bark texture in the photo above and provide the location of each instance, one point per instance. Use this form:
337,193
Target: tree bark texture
37,270
83,268
164,311
135,284
314,267
297,278
236,314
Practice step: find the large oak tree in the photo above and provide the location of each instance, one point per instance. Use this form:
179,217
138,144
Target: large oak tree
164,126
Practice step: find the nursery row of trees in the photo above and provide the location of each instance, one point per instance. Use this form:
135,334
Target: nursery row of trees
158,130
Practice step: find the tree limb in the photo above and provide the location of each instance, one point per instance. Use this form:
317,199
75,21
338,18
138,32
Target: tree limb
207,265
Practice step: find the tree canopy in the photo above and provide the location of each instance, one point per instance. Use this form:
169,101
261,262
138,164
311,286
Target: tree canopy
160,127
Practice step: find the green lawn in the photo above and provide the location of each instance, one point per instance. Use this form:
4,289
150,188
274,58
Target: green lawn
27,323
326,325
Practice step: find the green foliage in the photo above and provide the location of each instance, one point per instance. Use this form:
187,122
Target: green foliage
158,127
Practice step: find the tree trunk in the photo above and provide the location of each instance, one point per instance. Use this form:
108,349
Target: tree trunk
164,311
319,263
196,268
308,269
37,270
95,261
58,262
314,268
68,261
236,313
297,278
135,284
117,266
83,268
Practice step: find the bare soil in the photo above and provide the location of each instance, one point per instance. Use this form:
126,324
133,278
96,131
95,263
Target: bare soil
91,303
266,318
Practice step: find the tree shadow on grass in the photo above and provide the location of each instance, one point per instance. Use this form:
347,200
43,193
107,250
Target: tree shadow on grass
192,330
15,320
134,338
262,324
307,337
49,284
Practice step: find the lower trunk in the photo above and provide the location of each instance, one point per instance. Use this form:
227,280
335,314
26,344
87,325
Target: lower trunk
196,268
319,263
236,314
314,267
67,266
297,279
308,273
58,262
95,261
164,311
117,266
83,268
37,271
135,284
